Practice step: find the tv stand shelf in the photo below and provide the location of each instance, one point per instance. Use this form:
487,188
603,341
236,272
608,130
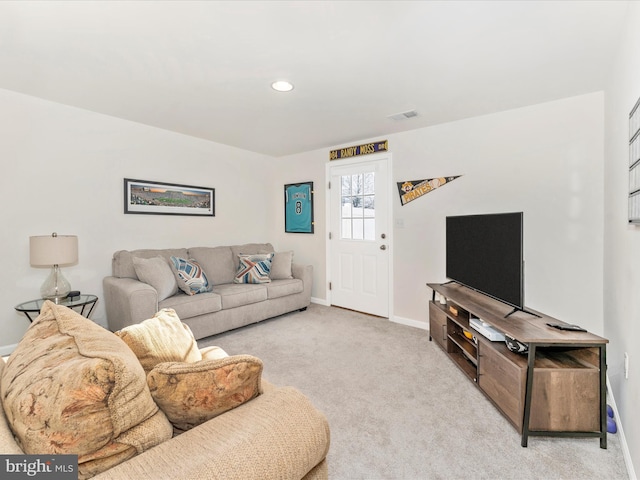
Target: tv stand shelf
558,388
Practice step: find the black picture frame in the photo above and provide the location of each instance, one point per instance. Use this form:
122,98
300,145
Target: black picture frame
298,208
159,198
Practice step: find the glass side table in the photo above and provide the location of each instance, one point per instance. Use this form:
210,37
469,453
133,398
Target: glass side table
83,302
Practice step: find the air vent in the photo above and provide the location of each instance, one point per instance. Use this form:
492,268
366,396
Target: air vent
403,115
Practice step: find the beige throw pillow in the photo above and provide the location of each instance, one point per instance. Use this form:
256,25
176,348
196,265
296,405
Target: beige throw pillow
156,272
281,266
163,338
192,393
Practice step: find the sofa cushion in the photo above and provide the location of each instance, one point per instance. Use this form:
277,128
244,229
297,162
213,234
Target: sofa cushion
282,288
73,387
190,275
236,295
219,263
192,393
254,268
122,261
188,306
163,338
158,273
281,266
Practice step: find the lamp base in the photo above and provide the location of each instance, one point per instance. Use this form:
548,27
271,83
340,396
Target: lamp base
55,287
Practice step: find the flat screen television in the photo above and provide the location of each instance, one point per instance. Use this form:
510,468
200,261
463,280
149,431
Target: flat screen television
485,253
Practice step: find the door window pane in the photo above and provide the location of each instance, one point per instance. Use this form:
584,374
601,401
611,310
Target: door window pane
369,206
369,183
346,207
346,185
357,194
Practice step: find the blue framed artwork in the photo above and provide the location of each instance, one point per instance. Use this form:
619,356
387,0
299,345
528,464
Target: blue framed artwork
298,207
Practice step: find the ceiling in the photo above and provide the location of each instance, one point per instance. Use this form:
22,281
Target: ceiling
204,68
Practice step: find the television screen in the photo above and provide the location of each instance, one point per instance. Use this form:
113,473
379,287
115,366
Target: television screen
485,253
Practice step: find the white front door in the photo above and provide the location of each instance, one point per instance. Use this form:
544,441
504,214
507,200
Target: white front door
359,248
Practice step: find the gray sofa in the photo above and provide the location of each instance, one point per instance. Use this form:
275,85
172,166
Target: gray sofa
229,305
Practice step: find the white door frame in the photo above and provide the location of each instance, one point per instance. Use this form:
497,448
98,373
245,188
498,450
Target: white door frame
389,228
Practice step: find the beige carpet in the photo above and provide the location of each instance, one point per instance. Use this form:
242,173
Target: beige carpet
399,409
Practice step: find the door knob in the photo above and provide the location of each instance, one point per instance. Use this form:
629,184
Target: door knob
383,247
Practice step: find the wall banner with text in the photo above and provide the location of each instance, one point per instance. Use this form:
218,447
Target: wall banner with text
412,189
357,150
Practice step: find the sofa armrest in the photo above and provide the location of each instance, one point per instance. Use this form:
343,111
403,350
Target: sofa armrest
279,434
304,273
128,301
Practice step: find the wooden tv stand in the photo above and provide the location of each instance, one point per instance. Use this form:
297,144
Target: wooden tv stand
557,389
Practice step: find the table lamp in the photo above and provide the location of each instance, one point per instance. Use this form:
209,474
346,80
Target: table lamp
52,251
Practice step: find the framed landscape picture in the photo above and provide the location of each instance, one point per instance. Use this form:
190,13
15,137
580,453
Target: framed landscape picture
157,198
298,207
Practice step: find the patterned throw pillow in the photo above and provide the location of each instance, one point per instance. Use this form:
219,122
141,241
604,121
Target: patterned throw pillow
191,277
192,393
254,268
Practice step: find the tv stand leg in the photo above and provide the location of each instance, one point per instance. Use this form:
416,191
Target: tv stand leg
527,396
524,310
603,396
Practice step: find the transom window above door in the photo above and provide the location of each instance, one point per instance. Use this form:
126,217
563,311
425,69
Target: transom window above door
358,213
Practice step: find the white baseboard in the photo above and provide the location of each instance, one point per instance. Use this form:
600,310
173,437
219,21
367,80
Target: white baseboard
411,322
7,349
320,301
401,320
623,440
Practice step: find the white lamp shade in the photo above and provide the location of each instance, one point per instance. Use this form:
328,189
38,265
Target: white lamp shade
45,251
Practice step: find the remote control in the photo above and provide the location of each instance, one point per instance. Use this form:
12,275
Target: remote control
566,326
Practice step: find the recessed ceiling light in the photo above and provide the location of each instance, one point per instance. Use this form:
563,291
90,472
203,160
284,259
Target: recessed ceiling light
282,86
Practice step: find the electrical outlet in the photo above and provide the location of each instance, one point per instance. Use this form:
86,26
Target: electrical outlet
626,365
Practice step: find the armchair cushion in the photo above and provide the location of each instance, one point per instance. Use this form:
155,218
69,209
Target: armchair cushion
72,387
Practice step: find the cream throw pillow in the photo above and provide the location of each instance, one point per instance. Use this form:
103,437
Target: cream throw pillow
163,338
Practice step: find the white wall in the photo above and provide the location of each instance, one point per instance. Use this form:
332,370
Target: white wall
307,248
63,171
545,160
621,240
